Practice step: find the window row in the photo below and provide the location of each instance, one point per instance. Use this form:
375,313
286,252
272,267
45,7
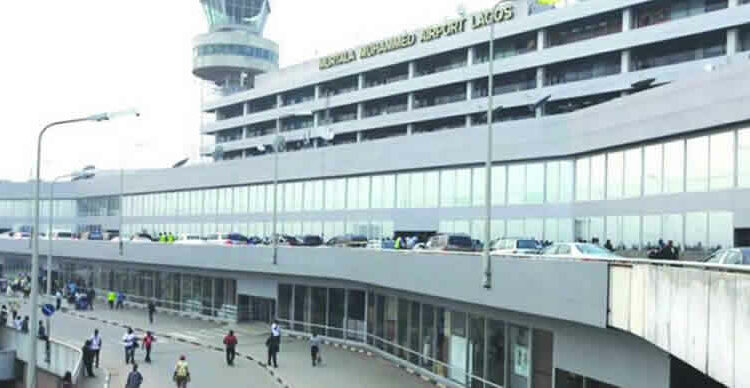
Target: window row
471,350
692,231
23,208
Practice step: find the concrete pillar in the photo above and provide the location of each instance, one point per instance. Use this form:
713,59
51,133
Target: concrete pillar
316,117
245,108
412,69
409,128
732,41
733,3
279,100
361,81
470,56
625,61
468,121
540,77
244,132
627,19
360,110
539,111
541,39
359,136
469,87
410,102
317,92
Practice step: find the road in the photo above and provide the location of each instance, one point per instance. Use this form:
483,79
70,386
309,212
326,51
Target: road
342,368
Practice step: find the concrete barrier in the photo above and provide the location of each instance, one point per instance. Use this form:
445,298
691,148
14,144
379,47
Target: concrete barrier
63,357
699,315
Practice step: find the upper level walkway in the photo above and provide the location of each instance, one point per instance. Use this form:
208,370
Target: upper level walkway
697,312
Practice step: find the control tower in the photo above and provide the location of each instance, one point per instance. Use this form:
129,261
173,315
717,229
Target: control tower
234,50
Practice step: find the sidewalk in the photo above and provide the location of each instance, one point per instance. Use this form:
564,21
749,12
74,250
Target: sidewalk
342,367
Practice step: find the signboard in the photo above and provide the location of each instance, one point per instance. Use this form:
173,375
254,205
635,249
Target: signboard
48,310
500,13
520,360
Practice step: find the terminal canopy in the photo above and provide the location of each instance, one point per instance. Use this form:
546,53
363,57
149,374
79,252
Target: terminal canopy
230,14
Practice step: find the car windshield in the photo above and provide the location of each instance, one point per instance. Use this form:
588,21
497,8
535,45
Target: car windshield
192,238
591,249
64,235
527,244
460,241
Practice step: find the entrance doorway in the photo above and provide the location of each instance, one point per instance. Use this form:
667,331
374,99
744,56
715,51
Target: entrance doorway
742,237
251,308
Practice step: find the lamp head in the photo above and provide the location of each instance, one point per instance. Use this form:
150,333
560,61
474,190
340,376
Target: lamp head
113,115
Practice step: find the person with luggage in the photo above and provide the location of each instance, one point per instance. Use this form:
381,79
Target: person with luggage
230,342
181,374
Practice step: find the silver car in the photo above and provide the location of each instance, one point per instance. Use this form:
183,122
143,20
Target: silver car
737,256
582,250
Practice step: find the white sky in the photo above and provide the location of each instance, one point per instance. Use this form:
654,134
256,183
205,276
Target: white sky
64,59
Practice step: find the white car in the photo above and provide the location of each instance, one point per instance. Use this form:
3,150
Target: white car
63,235
581,250
190,239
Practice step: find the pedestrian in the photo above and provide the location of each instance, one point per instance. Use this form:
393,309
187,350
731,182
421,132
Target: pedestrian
130,343
608,246
148,340
151,311
135,379
18,322
96,345
181,373
42,333
315,349
25,324
67,381
111,299
170,238
230,342
58,300
91,295
272,343
120,300
275,329
4,316
88,359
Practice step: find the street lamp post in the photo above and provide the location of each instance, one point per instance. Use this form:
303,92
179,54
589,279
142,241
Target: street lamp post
51,222
487,279
31,364
278,142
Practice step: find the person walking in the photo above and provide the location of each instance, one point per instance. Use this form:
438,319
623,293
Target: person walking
135,378
58,300
4,316
88,359
96,345
18,322
315,349
91,295
120,300
67,381
148,340
130,343
111,299
272,343
230,342
41,332
181,375
151,311
25,324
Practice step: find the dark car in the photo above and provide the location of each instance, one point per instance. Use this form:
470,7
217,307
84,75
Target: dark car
451,242
254,240
95,236
311,240
287,239
348,241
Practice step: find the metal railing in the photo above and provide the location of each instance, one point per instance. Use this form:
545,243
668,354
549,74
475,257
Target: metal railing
191,308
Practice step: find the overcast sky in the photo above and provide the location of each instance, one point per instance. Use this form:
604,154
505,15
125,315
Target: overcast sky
64,59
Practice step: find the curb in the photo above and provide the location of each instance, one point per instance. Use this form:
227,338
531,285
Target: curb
355,349
278,379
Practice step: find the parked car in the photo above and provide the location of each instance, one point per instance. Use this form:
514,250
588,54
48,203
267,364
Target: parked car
348,241
582,250
514,245
21,235
226,239
141,238
451,242
311,240
189,239
254,240
730,256
63,235
287,239
92,236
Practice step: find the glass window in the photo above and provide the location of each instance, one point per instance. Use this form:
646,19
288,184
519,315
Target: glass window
743,157
476,350
516,184
674,166
210,202
542,358
722,161
553,182
696,231
535,183
431,187
534,228
631,232
615,166
403,197
597,177
240,200
721,230
455,188
196,203
335,194
697,164
496,352
285,302
478,180
652,231
336,312
583,180
498,185
632,171
463,187
383,191
614,230
416,190
520,356
672,227
653,163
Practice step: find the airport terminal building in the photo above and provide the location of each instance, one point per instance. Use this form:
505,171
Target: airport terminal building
618,120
